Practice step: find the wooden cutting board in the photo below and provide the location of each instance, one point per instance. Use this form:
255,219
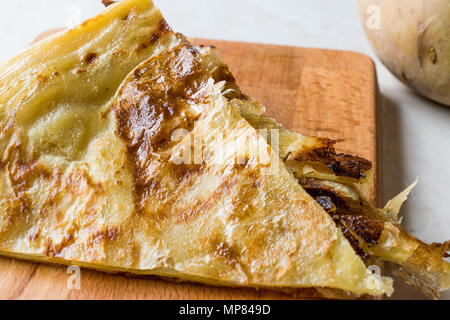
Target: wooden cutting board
314,92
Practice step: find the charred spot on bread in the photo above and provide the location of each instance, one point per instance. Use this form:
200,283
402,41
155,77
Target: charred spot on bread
90,58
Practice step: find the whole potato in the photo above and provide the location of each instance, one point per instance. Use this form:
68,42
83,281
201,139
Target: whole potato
412,38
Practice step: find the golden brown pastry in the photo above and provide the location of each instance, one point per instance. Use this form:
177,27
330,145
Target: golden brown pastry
124,148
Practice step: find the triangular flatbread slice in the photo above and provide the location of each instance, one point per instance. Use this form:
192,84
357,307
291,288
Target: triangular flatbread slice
101,166
336,181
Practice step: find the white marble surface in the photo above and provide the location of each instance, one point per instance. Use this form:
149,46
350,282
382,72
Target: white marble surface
415,132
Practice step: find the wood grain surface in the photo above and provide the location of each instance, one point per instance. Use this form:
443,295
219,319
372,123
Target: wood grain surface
312,91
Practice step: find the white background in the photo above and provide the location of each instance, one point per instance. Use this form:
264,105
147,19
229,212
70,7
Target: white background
415,132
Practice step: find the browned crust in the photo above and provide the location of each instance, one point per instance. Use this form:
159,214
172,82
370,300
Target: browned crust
333,201
151,107
354,242
365,228
90,58
163,29
345,214
219,71
341,164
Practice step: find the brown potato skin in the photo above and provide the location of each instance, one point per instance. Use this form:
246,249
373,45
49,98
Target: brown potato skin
413,41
